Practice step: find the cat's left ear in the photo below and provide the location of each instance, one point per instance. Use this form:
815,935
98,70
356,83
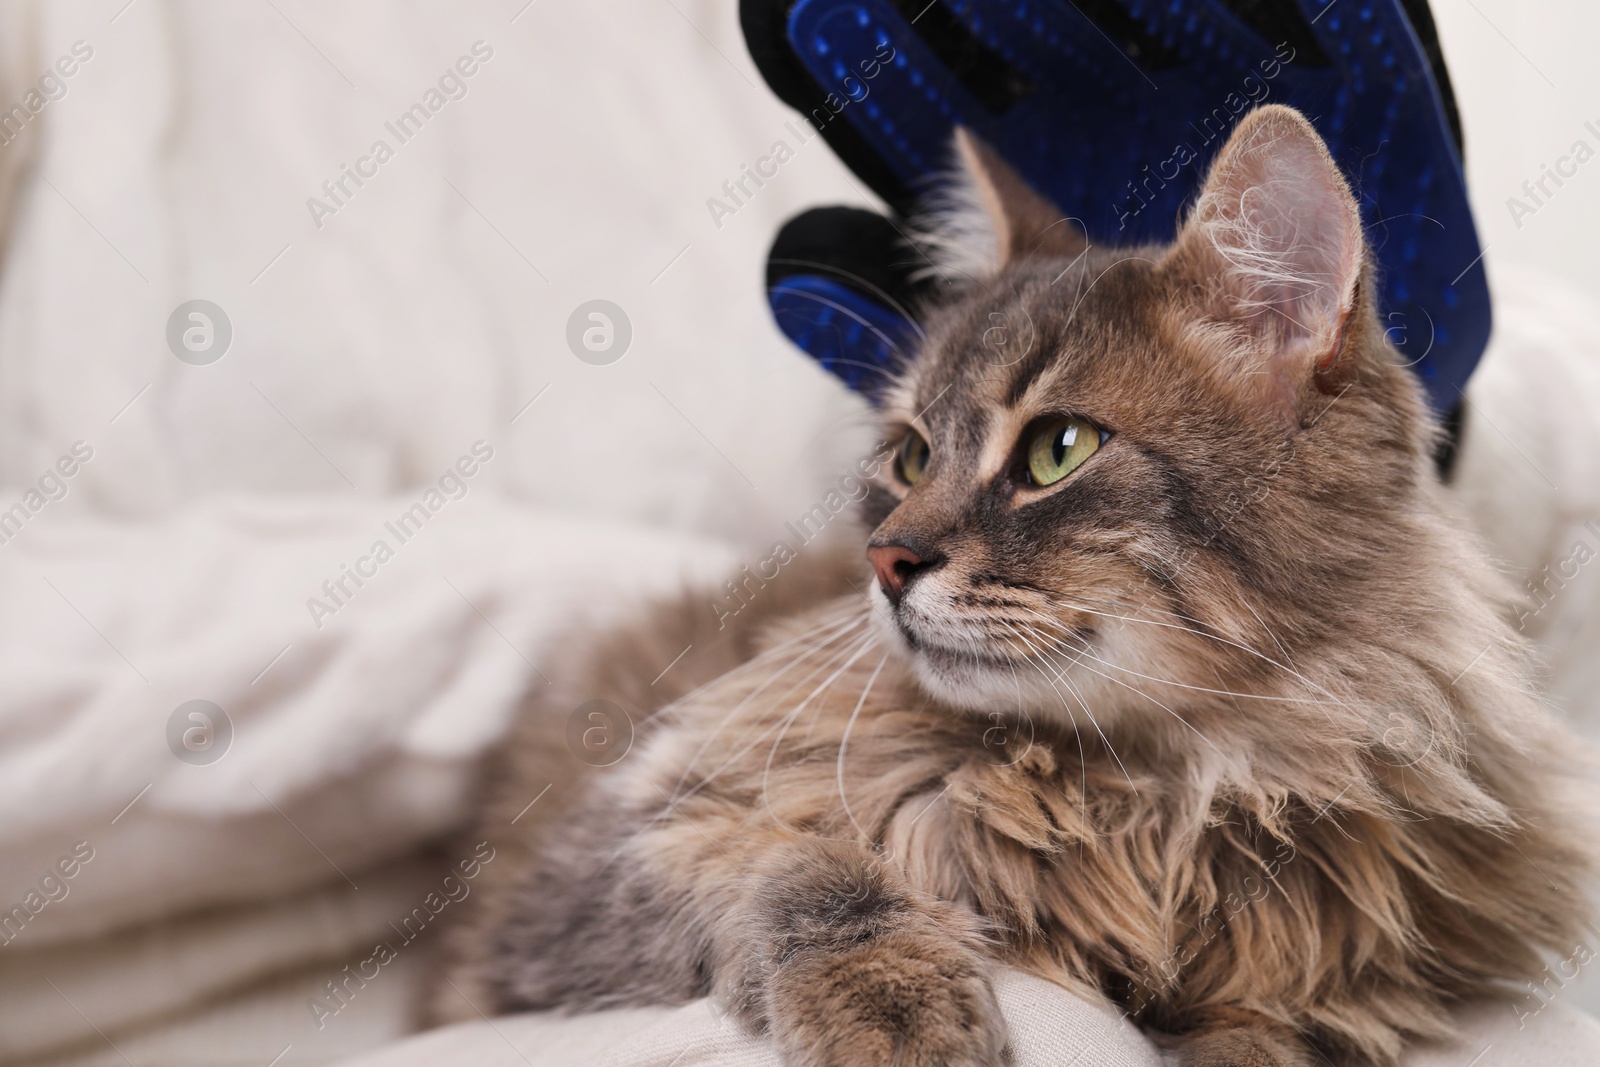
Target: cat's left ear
1274,246
990,216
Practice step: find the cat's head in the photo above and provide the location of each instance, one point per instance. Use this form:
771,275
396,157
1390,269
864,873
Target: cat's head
1178,463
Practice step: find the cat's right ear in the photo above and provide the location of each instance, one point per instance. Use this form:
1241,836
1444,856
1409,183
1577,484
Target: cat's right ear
990,216
1274,251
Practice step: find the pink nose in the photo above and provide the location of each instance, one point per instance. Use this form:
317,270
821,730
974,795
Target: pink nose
894,564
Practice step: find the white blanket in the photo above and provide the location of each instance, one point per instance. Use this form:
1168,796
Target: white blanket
218,500
186,556
1048,1028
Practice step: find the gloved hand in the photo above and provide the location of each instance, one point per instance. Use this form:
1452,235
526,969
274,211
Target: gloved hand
1113,109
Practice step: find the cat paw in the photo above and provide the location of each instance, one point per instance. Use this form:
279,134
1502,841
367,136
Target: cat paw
1244,1047
891,1001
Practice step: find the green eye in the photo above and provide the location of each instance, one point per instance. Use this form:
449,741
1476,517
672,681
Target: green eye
1058,446
913,458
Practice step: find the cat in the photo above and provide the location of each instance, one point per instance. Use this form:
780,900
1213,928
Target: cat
1171,675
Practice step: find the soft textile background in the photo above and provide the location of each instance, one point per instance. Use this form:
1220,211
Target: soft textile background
1047,1029
368,355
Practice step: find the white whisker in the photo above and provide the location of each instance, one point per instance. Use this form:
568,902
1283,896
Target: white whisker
731,760
844,616
1083,759
1082,652
789,719
1335,702
845,740
1094,722
1268,630
814,647
1172,682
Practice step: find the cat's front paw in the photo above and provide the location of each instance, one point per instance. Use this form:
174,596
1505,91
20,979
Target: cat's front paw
1245,1046
894,1000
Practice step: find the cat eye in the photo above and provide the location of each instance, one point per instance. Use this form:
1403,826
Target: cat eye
1059,445
912,458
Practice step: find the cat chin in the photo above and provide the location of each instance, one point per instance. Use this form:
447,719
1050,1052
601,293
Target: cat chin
970,685
954,667
963,676
984,685
975,681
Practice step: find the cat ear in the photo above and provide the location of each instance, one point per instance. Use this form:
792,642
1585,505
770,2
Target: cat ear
1274,243
991,216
